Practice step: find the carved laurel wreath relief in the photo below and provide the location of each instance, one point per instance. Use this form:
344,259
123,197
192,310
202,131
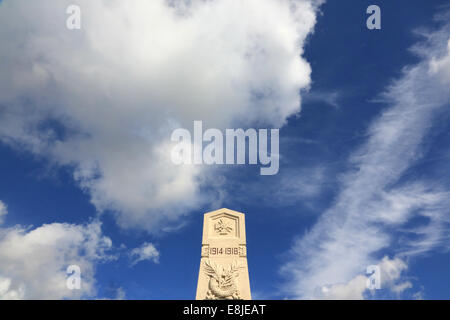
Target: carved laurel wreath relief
222,281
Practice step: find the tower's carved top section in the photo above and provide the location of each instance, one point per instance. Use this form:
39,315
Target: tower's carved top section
224,224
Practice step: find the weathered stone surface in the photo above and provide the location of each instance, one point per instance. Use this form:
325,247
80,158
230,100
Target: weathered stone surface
223,266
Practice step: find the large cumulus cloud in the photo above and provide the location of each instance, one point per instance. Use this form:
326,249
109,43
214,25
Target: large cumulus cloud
103,100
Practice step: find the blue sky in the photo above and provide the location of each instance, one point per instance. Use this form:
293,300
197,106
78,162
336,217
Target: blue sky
363,180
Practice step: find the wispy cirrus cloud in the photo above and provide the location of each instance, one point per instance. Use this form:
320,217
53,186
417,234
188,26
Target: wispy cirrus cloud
328,97
374,204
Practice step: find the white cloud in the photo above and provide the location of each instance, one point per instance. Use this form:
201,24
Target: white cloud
440,67
331,98
135,71
120,294
33,263
399,288
419,295
146,251
3,211
355,289
371,205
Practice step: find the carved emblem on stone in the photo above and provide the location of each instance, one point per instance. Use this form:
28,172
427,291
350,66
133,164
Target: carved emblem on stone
222,281
222,228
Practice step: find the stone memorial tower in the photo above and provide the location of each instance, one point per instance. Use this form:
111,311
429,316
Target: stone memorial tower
223,266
